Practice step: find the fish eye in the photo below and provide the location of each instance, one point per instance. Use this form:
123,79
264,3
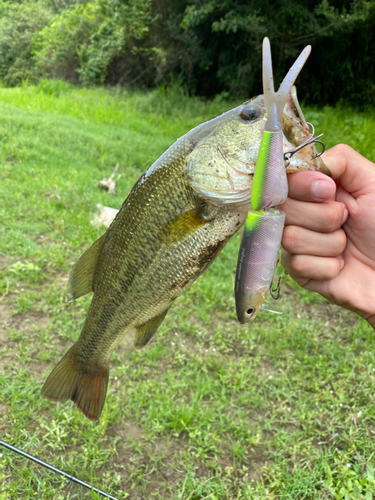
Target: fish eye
250,310
250,113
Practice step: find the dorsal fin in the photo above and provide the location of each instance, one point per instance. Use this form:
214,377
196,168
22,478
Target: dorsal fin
81,277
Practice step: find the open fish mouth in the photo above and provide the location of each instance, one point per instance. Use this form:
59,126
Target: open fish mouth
296,132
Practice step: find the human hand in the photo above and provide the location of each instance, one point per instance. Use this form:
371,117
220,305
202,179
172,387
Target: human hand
329,238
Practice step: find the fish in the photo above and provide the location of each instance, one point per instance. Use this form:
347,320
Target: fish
171,227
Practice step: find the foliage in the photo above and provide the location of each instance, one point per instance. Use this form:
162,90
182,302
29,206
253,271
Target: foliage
18,25
59,44
88,37
225,41
209,46
343,59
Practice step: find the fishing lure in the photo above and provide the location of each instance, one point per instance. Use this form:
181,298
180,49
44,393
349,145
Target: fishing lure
263,230
270,186
257,261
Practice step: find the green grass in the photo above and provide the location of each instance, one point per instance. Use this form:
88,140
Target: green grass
282,408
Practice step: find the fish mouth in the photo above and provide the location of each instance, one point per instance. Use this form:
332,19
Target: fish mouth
296,132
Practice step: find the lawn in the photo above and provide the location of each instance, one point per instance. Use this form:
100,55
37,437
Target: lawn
282,408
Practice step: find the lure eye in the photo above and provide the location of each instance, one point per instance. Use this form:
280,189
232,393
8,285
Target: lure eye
250,113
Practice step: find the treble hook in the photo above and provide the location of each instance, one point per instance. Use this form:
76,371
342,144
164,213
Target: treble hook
277,290
289,154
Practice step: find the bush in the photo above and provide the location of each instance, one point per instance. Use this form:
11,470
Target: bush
85,39
225,38
18,25
210,46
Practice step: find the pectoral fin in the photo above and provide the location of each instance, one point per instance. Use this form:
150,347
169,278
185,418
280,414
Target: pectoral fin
183,226
145,332
81,277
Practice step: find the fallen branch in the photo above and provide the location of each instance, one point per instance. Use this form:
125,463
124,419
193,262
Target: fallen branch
109,184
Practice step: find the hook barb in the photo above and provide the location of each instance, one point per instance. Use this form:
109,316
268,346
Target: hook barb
275,292
289,154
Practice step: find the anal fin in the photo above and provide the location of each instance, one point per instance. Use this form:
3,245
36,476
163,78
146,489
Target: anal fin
81,277
145,332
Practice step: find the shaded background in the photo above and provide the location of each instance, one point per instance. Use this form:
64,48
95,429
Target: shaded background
208,47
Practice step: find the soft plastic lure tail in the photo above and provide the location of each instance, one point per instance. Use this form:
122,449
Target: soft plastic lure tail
257,259
270,187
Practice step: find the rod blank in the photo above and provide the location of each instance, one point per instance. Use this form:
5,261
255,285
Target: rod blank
55,469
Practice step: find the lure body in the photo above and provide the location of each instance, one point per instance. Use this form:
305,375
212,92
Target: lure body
257,259
270,186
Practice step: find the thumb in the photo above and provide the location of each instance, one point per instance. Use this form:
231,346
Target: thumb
355,173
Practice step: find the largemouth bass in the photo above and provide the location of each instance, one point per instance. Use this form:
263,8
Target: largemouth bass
172,226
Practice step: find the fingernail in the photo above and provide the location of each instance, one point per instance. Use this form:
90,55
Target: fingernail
322,190
345,217
342,262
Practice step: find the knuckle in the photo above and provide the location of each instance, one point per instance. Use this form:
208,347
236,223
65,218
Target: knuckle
332,269
343,149
299,265
318,268
333,215
340,237
290,239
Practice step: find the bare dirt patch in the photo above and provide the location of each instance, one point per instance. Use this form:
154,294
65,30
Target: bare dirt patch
27,322
256,461
32,320
130,431
334,316
155,458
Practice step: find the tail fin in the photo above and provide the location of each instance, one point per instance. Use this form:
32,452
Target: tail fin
87,389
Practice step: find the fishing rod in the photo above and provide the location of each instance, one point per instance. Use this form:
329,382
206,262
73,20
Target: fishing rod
56,470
